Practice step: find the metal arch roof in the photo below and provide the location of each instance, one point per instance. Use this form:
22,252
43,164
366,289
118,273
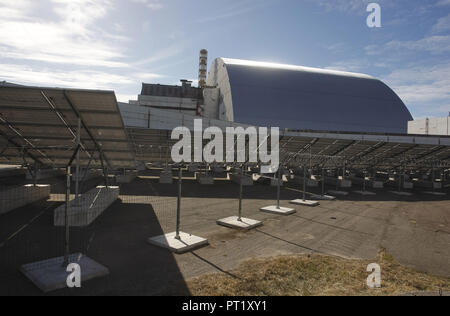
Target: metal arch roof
41,124
295,97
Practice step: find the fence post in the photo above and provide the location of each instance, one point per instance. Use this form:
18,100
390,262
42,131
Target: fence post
278,187
180,175
66,218
240,195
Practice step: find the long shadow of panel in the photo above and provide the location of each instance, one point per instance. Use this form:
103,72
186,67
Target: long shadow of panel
117,239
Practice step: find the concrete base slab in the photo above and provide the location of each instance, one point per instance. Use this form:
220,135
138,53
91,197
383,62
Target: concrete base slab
244,223
323,197
19,196
185,244
305,202
50,275
365,193
435,193
335,192
279,211
401,193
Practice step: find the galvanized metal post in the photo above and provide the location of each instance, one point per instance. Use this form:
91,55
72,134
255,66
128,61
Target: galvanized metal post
323,182
278,187
66,218
337,178
304,183
35,174
364,181
77,183
240,196
433,178
180,176
344,171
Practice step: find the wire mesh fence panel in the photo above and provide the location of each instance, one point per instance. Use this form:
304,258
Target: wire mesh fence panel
31,228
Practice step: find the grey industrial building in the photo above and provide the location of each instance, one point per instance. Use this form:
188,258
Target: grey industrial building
286,96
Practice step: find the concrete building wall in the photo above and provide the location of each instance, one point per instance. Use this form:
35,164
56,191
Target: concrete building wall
430,126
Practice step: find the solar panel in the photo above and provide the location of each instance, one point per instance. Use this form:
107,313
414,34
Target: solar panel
40,124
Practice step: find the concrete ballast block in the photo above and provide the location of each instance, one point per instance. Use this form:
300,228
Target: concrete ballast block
50,275
278,211
186,243
234,222
305,202
16,197
85,209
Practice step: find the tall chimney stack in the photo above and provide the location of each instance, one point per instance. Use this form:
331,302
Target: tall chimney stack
203,67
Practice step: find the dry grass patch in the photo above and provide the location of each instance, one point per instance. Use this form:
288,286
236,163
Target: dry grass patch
315,275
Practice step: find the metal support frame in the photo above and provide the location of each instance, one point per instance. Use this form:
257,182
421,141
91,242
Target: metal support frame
304,183
240,195
180,177
67,209
278,187
66,219
83,124
77,192
364,180
323,181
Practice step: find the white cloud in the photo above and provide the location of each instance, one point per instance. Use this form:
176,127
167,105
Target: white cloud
443,2
71,39
242,7
350,6
83,79
151,4
125,97
424,89
17,9
436,44
442,25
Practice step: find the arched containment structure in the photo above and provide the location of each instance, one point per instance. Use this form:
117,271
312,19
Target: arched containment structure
303,98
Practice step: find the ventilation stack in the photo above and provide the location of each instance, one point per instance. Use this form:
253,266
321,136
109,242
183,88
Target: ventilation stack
203,66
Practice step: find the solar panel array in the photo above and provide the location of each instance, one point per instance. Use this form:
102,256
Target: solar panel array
325,149
40,125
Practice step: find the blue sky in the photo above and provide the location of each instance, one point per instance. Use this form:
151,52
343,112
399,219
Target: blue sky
117,44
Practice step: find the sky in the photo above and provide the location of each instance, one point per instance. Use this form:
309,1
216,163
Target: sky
118,44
